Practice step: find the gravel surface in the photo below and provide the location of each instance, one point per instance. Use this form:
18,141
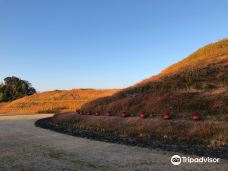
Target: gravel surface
26,147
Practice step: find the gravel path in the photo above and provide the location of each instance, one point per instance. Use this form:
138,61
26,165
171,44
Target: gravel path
26,147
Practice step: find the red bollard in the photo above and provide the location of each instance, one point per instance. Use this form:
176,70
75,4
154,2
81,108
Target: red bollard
166,116
142,116
124,115
109,114
195,116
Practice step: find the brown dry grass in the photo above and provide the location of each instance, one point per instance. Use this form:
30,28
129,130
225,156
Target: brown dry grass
210,54
54,101
209,133
182,88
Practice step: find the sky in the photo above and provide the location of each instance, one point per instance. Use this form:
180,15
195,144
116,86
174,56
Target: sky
66,44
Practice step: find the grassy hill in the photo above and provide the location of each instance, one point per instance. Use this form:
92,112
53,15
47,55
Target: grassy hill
197,83
54,101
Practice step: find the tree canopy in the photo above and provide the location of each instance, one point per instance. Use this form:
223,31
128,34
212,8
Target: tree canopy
14,88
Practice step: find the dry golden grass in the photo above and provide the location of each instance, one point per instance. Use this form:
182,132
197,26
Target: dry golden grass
23,116
210,54
54,101
183,88
208,133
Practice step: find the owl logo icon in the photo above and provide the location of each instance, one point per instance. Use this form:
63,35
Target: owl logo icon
176,160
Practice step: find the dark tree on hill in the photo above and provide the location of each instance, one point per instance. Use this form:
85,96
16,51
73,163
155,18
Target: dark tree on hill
14,88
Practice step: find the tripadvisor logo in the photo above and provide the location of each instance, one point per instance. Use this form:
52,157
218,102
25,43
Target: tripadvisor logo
176,160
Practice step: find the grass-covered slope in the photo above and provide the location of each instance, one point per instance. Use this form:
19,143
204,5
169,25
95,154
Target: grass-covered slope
54,101
197,83
146,132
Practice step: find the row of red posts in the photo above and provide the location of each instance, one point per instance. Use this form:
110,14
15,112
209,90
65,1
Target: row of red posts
166,115
195,116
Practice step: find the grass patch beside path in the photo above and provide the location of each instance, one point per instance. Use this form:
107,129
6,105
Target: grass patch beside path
208,138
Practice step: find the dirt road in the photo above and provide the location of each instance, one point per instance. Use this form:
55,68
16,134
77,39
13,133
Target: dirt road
26,147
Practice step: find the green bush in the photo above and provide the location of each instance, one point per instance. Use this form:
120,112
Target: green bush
14,88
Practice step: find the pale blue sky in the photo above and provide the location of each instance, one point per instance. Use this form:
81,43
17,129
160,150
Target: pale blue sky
65,44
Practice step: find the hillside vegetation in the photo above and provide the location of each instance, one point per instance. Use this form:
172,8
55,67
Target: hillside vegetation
197,83
14,88
141,131
54,101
